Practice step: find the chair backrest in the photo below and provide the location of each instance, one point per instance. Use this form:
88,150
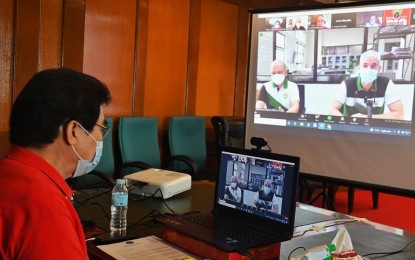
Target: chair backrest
138,140
218,124
187,136
301,91
229,130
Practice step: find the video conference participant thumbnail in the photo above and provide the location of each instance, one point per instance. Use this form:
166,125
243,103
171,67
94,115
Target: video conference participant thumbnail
232,192
320,21
266,199
278,24
347,20
369,19
368,94
297,23
279,93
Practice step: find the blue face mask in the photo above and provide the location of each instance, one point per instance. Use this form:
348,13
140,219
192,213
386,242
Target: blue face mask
85,166
267,190
368,75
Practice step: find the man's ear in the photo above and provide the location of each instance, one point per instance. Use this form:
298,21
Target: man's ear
379,68
70,131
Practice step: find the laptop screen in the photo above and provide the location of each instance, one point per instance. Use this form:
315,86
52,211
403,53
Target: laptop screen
257,183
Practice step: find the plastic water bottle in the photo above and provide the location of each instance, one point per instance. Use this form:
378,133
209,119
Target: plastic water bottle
119,206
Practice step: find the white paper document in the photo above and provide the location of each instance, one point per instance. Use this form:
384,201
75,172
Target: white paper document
150,247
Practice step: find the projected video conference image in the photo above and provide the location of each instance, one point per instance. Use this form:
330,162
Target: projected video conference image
334,85
256,186
334,70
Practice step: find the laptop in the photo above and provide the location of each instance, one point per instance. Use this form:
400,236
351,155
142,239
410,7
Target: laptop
252,216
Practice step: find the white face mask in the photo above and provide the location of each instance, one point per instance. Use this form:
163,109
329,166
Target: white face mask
233,185
85,166
368,75
278,78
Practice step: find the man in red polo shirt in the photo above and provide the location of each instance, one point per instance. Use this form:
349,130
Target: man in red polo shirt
56,131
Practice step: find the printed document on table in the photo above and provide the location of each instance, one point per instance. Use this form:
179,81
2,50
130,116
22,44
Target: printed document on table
150,247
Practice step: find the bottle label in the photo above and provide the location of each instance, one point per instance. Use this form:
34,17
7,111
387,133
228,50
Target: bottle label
120,199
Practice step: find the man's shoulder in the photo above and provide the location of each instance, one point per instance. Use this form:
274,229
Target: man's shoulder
383,79
353,79
26,178
292,84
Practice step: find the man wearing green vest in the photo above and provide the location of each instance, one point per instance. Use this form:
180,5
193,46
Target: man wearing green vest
368,95
279,93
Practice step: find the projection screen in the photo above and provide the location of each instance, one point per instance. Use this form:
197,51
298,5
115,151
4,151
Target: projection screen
321,47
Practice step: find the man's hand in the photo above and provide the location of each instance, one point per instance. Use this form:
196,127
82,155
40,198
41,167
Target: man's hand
280,109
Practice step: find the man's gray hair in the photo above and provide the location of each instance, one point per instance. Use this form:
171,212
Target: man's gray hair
370,53
279,62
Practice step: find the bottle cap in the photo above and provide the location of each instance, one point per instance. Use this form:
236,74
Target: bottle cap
120,181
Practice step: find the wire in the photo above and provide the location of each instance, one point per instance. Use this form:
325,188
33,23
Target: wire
102,192
87,203
154,196
96,185
153,215
295,249
83,204
391,253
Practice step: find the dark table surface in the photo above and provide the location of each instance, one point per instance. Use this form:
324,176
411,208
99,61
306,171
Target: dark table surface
313,226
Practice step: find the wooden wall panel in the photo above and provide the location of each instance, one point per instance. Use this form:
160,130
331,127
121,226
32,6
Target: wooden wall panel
141,57
217,59
109,49
6,61
27,42
6,69
242,63
50,34
263,4
193,61
73,34
166,59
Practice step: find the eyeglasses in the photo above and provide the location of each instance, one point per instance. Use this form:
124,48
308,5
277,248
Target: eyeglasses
105,130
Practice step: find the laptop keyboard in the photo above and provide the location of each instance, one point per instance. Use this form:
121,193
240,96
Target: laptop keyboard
227,227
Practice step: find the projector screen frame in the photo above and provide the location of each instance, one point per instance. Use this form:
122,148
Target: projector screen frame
310,174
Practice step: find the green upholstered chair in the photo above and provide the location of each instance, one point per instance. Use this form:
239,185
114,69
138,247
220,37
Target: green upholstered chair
138,140
103,174
187,142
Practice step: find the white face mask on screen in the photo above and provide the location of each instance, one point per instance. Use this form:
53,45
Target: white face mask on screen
85,166
278,78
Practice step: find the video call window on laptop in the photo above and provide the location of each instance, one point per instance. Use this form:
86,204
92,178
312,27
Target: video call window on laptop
254,202
256,185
